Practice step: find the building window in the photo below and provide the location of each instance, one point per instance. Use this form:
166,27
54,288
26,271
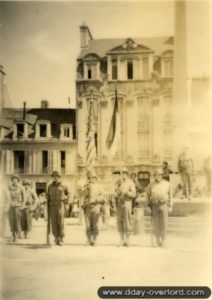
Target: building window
43,130
20,130
145,67
91,71
44,161
168,68
129,69
62,161
19,161
66,132
114,69
143,128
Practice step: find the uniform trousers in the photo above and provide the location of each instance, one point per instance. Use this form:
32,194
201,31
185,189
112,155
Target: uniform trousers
186,178
57,216
160,221
92,214
123,214
26,220
15,219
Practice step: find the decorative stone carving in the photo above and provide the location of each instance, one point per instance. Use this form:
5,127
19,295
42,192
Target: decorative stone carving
155,101
130,159
156,158
104,159
79,104
80,159
103,103
129,102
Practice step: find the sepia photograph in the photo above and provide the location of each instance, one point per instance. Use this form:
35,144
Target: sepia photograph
105,149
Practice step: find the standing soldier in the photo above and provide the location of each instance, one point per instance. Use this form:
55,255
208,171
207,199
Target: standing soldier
4,206
185,168
28,207
17,196
159,199
125,192
93,196
56,195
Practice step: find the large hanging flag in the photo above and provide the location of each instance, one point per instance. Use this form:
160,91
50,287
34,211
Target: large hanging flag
114,135
91,147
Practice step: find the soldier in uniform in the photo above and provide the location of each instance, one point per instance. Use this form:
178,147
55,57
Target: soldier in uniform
4,206
28,207
93,196
159,199
185,168
125,192
57,194
17,196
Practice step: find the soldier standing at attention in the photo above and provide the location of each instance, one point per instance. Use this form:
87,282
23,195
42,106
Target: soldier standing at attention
56,195
185,168
93,196
17,196
159,199
29,205
125,192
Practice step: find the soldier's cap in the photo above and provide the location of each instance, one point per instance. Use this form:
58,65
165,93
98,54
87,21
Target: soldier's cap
55,174
26,182
15,176
124,170
92,174
158,171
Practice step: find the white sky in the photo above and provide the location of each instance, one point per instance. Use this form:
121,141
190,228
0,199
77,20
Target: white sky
41,41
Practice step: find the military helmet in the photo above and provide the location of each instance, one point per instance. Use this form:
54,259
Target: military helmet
26,182
91,173
55,174
124,170
15,176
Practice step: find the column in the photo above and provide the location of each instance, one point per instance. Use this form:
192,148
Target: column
157,131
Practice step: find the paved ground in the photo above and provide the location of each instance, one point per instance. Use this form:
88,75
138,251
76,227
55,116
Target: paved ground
31,270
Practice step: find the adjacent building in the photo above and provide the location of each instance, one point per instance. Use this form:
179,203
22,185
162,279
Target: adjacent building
34,142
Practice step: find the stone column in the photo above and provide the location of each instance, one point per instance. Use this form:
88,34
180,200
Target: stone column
157,130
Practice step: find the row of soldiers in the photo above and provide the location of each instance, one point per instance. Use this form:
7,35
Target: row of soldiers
156,196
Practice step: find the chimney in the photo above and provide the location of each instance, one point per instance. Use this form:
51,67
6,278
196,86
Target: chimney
44,104
85,36
24,110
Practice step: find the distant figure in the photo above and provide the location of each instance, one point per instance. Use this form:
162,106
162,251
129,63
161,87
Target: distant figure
133,176
185,168
17,196
166,171
208,171
159,199
27,208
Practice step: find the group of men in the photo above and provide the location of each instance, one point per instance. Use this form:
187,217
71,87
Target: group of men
18,201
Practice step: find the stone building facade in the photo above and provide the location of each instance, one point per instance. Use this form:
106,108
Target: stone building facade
141,72
37,141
